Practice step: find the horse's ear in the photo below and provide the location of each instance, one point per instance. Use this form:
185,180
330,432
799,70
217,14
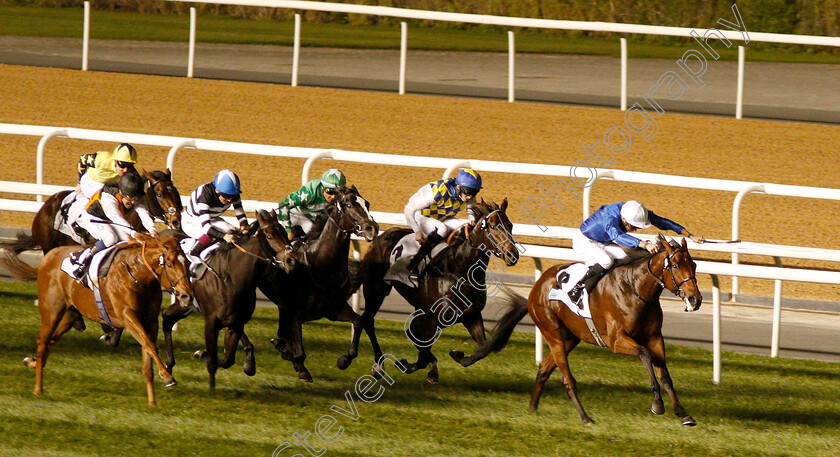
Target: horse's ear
353,188
168,173
148,175
504,205
273,214
684,244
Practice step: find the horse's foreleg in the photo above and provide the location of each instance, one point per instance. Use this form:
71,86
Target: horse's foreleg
138,331
290,344
474,325
656,346
624,344
149,377
232,336
375,293
345,313
210,355
250,364
170,316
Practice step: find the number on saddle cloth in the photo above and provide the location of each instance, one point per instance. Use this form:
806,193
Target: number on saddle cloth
401,256
567,279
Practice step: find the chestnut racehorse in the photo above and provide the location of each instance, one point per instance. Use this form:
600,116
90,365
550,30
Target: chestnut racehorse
626,314
131,292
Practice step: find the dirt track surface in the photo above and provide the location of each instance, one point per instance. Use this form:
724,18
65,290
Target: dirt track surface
712,147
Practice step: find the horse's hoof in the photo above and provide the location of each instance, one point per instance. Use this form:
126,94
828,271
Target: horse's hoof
199,354
588,421
79,324
28,362
687,420
343,362
657,408
276,343
456,355
249,368
305,376
171,382
433,378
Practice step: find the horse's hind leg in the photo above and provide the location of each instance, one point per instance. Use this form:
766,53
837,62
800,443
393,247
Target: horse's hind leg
250,364
52,327
656,346
111,336
561,342
547,366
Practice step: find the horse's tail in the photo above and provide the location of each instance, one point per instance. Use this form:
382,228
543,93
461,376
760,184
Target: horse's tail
17,268
23,242
517,309
357,275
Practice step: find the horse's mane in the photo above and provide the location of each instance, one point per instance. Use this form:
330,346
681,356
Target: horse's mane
634,254
321,221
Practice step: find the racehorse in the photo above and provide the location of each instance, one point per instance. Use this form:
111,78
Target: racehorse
626,314
162,200
451,289
321,285
226,293
131,292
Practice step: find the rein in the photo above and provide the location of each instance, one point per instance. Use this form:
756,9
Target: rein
172,284
270,260
667,265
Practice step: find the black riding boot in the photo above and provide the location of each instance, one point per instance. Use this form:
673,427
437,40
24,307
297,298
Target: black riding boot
587,282
84,262
425,249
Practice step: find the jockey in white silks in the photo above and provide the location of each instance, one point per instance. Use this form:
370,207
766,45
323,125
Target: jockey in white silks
202,217
604,234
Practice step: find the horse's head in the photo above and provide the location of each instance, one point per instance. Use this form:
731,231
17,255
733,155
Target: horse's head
352,214
678,273
277,244
163,198
171,266
492,231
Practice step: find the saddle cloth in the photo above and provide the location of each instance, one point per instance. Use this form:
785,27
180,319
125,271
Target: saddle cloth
567,278
60,224
100,263
401,256
198,265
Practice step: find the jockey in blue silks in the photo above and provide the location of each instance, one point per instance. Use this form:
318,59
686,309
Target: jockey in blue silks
604,234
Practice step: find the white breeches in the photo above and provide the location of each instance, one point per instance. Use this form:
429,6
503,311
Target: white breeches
444,228
592,252
193,228
108,233
297,218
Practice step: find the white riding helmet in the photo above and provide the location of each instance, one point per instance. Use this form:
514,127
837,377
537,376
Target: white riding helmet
635,214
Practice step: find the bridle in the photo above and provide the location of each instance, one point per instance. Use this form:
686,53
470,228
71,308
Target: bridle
162,263
483,224
172,210
670,266
357,228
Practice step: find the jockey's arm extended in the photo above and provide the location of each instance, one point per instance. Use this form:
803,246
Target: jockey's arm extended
111,208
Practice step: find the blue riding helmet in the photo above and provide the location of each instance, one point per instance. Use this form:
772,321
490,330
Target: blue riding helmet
227,183
468,178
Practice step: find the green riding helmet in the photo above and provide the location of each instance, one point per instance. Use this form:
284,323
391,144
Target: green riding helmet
333,179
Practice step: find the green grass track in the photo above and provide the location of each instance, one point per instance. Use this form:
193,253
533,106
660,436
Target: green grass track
95,403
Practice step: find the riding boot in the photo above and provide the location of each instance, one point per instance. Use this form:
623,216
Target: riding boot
587,282
425,249
83,259
200,245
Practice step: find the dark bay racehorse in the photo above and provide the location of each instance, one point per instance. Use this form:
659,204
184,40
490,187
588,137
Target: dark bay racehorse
320,287
626,313
452,288
131,294
226,293
162,200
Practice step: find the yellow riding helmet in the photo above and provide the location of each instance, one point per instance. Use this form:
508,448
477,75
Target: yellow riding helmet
125,153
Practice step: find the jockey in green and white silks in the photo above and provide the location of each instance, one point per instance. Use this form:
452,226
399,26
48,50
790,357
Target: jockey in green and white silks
299,210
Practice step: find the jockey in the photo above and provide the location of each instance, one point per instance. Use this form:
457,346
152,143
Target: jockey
603,234
202,218
98,169
299,210
104,217
431,211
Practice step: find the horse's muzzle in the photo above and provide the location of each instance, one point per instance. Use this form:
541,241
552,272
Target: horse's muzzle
692,303
369,231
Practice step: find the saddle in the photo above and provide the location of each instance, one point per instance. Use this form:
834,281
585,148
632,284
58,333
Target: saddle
100,264
198,265
61,224
567,278
401,256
